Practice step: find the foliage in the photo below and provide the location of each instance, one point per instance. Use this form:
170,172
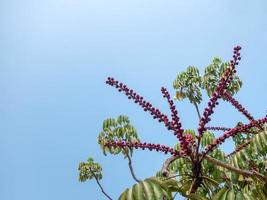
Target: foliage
89,170
149,189
117,129
198,168
188,85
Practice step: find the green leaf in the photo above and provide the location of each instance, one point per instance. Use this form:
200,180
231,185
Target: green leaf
148,189
188,84
220,194
89,170
138,191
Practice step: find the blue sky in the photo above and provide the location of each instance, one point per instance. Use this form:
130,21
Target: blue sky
55,57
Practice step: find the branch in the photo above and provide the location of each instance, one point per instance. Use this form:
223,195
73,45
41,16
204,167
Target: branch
98,183
131,167
165,167
237,170
197,109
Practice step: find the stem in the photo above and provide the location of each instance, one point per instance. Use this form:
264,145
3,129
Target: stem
237,170
102,189
174,176
192,187
197,109
198,141
175,195
131,167
197,177
164,170
211,180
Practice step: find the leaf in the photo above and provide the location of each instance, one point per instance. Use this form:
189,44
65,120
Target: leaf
149,189
188,84
220,194
256,149
138,191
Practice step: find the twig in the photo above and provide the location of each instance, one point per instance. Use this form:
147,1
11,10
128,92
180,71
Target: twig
102,189
131,167
237,170
197,109
164,170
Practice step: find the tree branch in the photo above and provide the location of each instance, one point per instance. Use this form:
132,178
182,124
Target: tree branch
131,167
102,189
165,167
237,170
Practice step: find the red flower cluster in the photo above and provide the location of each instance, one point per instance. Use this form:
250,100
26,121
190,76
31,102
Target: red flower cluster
223,84
238,106
139,145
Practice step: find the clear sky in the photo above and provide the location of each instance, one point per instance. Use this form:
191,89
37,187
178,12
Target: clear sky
55,56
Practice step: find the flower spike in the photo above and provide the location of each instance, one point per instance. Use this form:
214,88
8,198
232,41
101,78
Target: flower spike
233,132
138,99
217,128
139,145
176,124
223,84
238,106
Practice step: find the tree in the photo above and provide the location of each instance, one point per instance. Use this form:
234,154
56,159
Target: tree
197,168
